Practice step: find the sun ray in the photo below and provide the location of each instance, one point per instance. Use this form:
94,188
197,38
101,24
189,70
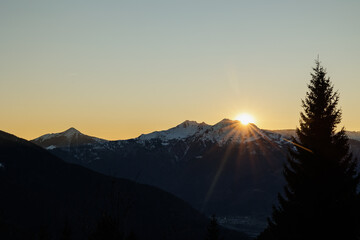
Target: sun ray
237,130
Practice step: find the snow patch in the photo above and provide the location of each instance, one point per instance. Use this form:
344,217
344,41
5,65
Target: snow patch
223,132
45,137
229,131
50,147
181,131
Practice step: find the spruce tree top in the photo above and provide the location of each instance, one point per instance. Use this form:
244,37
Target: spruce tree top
318,124
320,199
321,116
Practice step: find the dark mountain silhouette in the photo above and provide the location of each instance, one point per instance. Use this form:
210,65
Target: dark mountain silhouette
42,196
227,169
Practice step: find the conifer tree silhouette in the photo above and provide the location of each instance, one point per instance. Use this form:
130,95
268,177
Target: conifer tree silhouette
320,199
213,229
66,231
107,228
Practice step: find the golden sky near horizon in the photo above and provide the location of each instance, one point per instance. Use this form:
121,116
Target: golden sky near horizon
117,69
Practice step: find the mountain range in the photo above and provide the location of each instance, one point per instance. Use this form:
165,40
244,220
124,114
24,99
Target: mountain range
43,197
229,169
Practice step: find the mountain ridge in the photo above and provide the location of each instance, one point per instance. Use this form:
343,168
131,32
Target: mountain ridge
177,132
221,132
40,192
226,168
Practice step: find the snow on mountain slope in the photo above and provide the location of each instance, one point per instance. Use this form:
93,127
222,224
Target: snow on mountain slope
225,131
70,133
231,131
181,131
65,139
222,132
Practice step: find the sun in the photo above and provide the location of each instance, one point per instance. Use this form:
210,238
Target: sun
245,118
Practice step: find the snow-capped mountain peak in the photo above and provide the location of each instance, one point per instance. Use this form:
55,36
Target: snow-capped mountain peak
69,137
222,132
188,123
233,131
225,123
71,132
183,130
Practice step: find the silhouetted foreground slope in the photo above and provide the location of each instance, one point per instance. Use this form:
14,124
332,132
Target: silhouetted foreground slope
43,197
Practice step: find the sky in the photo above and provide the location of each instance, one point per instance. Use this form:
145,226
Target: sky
117,69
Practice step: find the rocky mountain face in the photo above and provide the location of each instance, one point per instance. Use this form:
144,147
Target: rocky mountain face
229,169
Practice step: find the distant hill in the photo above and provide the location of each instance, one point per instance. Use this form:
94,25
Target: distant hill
41,196
353,135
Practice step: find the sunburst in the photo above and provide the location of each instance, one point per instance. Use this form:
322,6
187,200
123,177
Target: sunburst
245,118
